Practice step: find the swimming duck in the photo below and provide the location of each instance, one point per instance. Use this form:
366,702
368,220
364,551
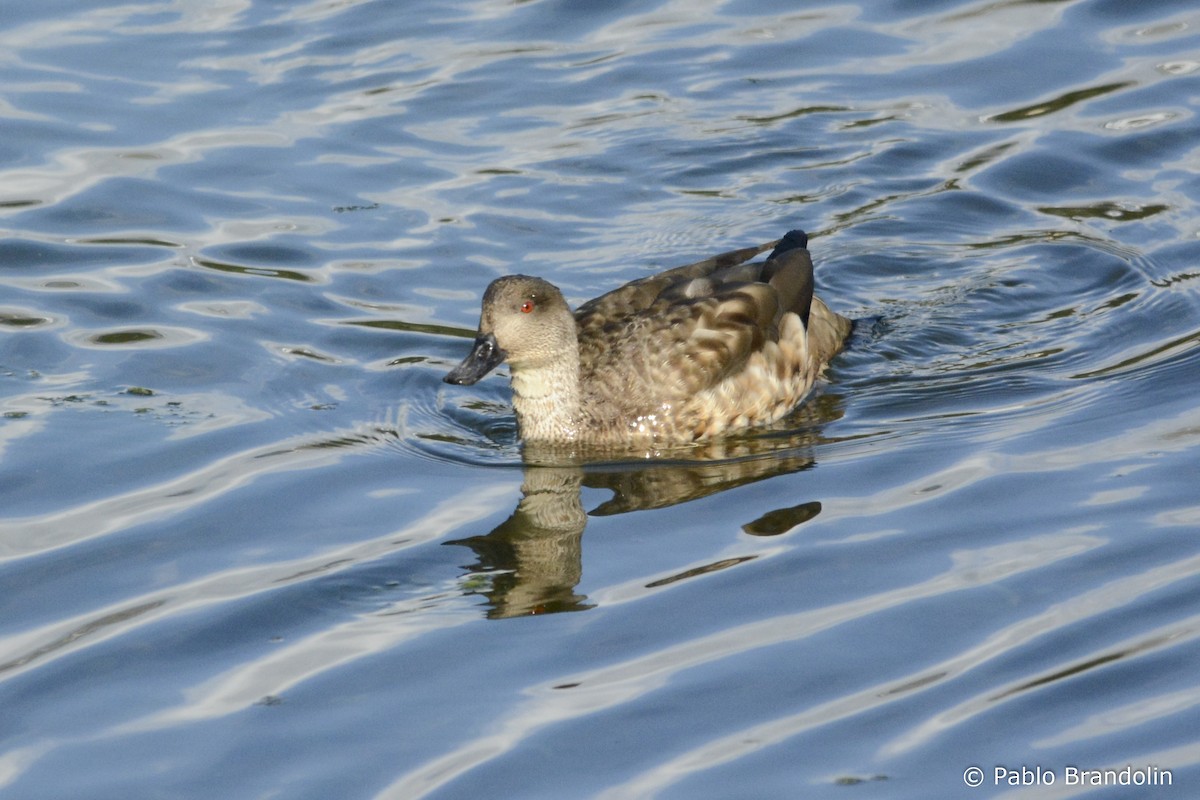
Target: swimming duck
682,356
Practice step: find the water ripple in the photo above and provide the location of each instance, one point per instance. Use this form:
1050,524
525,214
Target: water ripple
248,532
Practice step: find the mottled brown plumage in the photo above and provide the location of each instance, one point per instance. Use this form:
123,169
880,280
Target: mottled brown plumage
681,356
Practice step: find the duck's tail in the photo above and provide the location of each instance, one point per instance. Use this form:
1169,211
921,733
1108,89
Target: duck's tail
789,269
791,240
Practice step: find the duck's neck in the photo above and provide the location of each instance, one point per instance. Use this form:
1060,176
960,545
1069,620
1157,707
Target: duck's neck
547,398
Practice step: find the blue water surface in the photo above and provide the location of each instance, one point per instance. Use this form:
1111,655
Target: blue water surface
251,546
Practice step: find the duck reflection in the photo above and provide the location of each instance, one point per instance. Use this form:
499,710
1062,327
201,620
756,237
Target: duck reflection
532,562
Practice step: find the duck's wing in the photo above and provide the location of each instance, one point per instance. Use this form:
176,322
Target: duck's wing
636,296
685,330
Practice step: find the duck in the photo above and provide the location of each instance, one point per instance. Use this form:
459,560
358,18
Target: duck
685,356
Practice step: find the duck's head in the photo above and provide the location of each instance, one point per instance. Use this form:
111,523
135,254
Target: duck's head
526,322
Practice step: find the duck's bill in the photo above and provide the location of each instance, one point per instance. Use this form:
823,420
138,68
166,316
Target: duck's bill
484,357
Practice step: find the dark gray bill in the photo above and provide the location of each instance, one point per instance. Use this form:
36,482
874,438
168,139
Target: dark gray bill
484,357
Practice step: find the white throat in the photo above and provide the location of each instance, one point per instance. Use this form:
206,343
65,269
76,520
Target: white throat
546,399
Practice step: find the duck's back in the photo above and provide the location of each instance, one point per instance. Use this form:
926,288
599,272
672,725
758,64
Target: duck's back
696,350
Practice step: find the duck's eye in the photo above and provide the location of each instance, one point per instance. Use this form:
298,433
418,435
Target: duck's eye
526,306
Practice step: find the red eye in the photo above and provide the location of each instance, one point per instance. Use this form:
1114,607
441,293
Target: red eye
527,306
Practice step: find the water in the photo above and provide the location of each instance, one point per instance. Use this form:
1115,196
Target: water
253,547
